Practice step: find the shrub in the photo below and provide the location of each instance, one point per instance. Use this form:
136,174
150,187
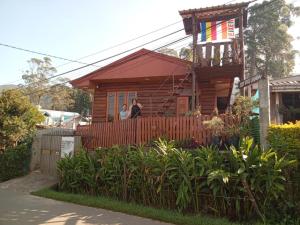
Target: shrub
18,118
14,161
200,180
285,138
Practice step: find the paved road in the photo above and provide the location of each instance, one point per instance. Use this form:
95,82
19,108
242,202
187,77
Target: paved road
18,207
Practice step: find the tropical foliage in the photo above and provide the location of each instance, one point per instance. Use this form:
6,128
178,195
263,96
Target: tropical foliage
285,140
18,118
14,161
190,181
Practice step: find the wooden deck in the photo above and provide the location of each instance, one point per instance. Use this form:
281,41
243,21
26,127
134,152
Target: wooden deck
219,54
145,129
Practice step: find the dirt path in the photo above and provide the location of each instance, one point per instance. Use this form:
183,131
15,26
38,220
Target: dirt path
18,207
31,182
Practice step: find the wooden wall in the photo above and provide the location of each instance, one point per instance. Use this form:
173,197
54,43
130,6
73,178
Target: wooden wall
152,95
207,97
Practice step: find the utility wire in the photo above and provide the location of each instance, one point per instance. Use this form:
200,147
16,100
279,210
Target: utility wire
92,54
110,57
131,39
176,41
136,48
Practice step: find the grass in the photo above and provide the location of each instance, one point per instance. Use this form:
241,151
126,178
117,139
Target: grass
132,209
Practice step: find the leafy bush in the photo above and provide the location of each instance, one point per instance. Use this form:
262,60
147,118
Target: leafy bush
18,118
285,140
200,180
14,161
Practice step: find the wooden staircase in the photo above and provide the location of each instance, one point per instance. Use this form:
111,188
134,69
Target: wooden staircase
173,94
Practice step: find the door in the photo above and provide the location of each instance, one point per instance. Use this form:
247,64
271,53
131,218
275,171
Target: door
182,105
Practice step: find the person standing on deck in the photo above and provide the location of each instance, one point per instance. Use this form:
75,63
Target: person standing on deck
135,109
124,113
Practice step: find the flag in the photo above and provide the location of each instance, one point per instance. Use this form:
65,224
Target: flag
216,30
230,25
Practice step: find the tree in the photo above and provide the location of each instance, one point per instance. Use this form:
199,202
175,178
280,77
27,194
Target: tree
36,78
82,102
61,95
18,118
186,53
50,94
168,51
268,43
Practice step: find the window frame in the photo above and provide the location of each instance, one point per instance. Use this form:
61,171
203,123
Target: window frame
116,103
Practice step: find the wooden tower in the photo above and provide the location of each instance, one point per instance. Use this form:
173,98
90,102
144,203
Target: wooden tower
218,47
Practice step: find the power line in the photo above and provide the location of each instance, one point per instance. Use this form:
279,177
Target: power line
92,54
166,45
125,42
110,57
134,49
40,53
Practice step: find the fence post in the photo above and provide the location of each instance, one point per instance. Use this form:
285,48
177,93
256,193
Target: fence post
138,131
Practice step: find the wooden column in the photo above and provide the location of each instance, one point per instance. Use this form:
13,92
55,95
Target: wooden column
242,55
195,37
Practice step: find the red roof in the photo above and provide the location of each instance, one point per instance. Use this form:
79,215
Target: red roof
141,64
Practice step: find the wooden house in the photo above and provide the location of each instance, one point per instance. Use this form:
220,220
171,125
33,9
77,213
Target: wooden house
169,86
161,83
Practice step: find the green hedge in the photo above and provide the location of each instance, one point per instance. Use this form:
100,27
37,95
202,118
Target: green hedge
285,138
14,162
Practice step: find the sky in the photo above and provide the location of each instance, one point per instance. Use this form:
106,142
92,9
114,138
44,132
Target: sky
75,28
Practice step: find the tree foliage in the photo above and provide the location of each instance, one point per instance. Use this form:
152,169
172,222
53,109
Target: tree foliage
269,47
35,78
50,94
18,118
61,95
82,102
186,53
168,51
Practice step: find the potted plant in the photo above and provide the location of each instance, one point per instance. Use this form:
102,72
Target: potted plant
216,125
233,133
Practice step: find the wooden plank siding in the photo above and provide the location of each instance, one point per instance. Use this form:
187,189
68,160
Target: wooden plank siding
152,96
145,129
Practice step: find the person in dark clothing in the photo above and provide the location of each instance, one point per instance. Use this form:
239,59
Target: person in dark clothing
135,109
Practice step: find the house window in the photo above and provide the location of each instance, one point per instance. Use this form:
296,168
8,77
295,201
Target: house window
121,100
131,95
115,101
111,107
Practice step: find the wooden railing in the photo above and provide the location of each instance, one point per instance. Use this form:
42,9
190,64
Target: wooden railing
143,130
219,53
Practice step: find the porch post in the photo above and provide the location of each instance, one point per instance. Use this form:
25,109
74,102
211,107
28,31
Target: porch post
242,55
264,109
195,37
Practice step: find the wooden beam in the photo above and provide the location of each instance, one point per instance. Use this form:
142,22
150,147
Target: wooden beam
242,55
195,37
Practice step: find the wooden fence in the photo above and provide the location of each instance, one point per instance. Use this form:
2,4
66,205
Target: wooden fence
145,129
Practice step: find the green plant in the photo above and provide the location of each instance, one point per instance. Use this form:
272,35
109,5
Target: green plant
202,180
18,118
14,161
285,140
216,125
